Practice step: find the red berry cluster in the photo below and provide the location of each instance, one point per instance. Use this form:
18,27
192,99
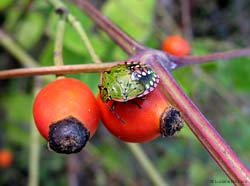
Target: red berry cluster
67,115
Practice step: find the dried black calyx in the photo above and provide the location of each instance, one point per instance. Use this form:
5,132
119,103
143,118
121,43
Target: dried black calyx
68,136
171,121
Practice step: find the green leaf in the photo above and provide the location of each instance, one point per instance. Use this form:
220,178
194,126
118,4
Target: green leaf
135,17
113,158
185,78
4,4
235,74
197,173
46,55
92,80
30,30
18,107
73,42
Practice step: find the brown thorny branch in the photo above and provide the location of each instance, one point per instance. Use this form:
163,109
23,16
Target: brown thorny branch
162,63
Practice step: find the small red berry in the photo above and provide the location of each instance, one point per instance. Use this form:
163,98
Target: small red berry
176,45
141,120
66,114
6,158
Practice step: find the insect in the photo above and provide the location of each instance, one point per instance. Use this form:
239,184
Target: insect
127,81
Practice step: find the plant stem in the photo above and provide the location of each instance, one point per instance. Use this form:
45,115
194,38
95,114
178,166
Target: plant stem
33,178
203,130
58,48
146,164
20,54
66,69
58,56
34,156
189,60
70,69
186,19
128,44
78,27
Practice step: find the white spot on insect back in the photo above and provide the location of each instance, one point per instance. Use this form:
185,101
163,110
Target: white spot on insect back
135,76
144,73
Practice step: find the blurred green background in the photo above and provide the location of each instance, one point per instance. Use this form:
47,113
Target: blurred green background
220,89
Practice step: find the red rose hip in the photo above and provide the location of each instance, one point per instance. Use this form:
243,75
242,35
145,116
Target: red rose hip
176,45
6,158
141,120
66,114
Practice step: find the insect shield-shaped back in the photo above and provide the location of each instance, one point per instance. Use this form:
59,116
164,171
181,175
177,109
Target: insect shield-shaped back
147,77
127,81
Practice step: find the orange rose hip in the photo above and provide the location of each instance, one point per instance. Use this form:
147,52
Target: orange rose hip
141,120
66,114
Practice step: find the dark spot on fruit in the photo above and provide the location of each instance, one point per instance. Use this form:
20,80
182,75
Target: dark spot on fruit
68,136
171,121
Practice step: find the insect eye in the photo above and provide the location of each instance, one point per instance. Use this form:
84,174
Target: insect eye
104,93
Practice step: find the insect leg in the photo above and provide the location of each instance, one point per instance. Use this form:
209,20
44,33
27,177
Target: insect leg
112,109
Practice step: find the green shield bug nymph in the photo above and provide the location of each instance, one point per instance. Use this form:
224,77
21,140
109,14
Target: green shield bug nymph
127,81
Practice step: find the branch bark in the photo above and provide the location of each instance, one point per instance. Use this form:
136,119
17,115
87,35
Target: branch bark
58,70
189,60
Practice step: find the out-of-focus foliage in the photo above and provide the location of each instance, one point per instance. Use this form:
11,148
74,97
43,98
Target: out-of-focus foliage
221,91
